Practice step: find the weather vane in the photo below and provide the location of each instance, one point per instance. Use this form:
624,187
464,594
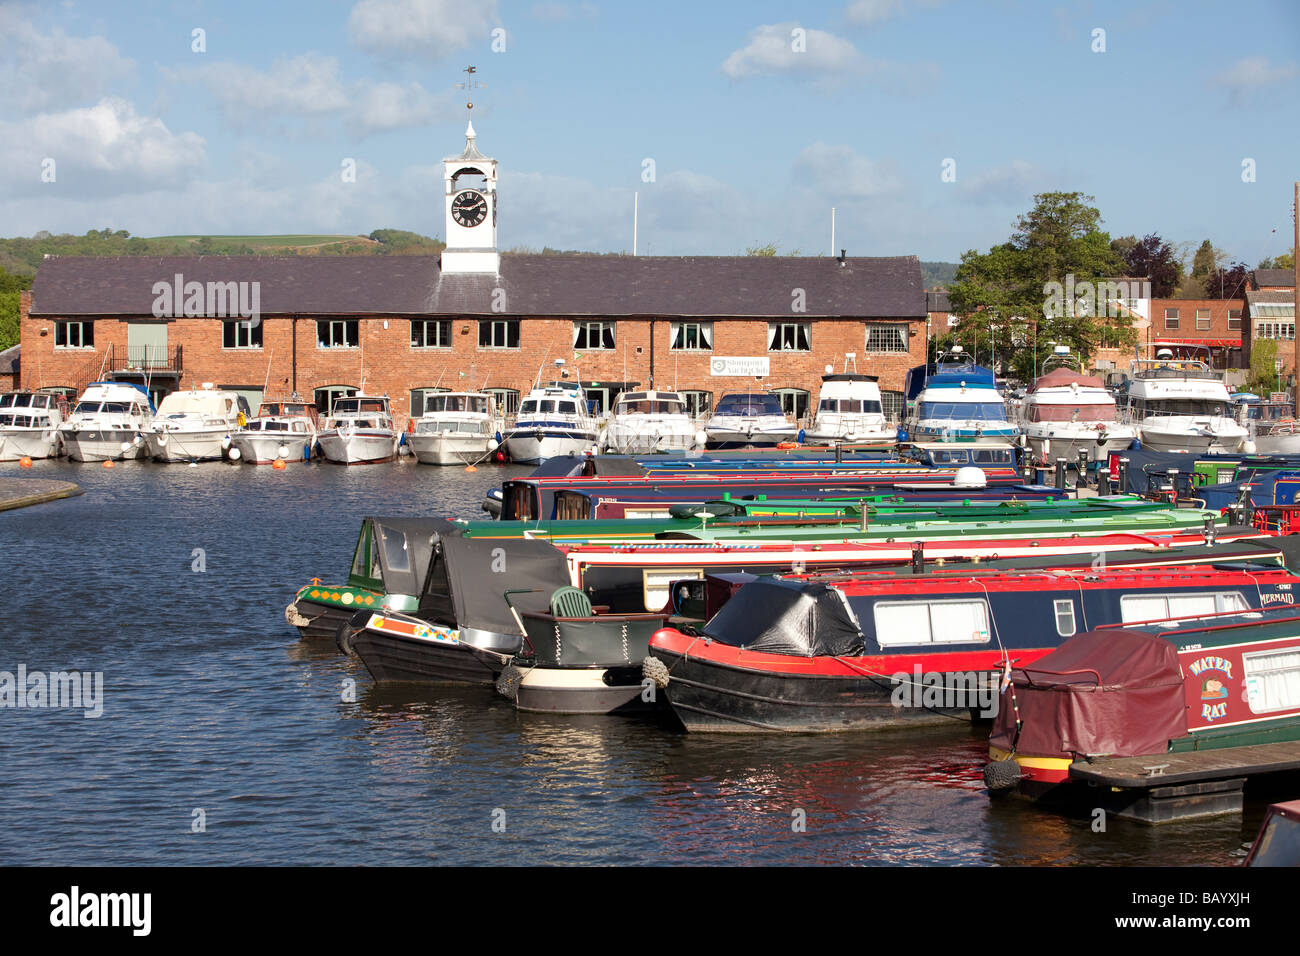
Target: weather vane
469,86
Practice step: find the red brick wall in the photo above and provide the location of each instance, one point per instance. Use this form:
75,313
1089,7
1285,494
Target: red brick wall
391,366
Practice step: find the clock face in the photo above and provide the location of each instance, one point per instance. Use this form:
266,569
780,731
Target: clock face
469,208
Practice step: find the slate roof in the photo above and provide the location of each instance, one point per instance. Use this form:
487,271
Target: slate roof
9,360
531,285
1274,277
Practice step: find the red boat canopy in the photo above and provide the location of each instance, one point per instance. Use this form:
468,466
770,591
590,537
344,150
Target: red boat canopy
1061,377
1107,692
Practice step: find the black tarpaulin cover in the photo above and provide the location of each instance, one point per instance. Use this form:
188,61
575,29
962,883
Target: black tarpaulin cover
467,581
787,617
1133,705
404,546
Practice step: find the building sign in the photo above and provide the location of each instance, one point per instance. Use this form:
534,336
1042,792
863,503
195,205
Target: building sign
756,367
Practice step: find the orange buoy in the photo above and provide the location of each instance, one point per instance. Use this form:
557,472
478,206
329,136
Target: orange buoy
471,468
787,444
108,463
24,462
279,464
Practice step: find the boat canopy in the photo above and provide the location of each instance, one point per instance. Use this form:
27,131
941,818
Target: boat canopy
787,617
1110,691
1063,378
393,554
469,577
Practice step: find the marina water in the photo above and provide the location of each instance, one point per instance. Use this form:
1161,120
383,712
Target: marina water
224,739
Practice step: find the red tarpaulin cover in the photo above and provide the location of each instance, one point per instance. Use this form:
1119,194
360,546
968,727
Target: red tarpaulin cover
1135,708
1062,377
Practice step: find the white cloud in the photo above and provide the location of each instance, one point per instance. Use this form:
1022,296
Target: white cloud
780,48
1250,75
425,28
841,173
43,71
104,149
1015,181
870,12
377,107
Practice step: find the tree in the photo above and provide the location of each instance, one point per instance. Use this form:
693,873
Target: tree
1205,260
1009,293
1285,261
1227,283
1263,371
757,250
1157,260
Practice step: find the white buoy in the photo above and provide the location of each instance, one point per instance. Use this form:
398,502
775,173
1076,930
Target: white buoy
282,452
701,438
234,454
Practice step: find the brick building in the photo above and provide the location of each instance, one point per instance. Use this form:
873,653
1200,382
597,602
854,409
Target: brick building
471,318
1270,304
1216,323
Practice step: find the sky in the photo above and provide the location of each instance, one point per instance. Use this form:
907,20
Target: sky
929,125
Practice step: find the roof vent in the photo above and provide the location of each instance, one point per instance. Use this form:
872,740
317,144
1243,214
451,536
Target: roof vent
842,253
968,476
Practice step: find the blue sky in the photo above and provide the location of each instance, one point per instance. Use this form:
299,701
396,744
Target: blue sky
759,117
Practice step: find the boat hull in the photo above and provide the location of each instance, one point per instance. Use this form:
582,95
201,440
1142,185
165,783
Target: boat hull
362,447
532,446
396,657
449,449
1098,449
591,690
18,443
186,446
105,445
262,450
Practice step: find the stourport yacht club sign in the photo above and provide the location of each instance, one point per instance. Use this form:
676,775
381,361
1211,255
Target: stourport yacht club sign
758,366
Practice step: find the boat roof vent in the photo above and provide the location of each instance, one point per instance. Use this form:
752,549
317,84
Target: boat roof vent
968,476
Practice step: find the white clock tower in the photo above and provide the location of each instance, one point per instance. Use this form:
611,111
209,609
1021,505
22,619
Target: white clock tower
471,180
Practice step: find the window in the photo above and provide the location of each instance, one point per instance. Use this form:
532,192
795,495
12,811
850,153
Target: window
1275,330
593,335
1234,320
892,403
420,399
1202,319
934,622
431,333
507,399
1272,679
794,402
1171,318
338,334
698,404
788,337
1159,607
883,337
1064,617
241,335
498,333
74,335
692,336
326,397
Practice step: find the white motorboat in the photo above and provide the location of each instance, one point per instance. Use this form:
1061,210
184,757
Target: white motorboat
196,425
109,423
953,399
552,421
457,428
1181,404
646,422
1271,426
282,431
360,431
29,425
749,420
1065,412
849,410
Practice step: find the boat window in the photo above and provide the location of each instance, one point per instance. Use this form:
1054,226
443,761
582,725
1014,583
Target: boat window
655,585
749,405
1064,617
934,622
1159,607
478,404
396,554
992,456
8,400
120,408
568,408
1279,843
1272,679
361,560
965,411
86,408
528,407
1186,406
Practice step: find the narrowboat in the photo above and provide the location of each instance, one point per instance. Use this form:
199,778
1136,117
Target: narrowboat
849,653
1278,842
1175,684
388,568
29,425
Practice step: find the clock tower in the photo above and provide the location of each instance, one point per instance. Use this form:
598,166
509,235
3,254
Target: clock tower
471,202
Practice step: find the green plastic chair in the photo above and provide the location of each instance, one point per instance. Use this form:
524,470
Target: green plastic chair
570,602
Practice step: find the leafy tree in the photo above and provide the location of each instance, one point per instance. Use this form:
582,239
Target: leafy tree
1263,372
1003,295
1153,257
1226,283
1206,260
1284,261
